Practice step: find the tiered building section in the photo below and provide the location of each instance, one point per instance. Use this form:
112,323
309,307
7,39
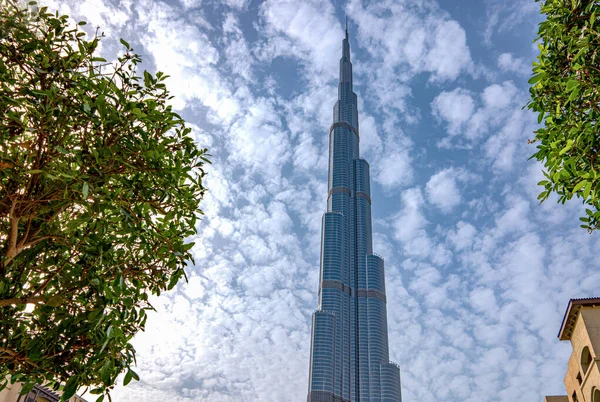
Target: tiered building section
349,359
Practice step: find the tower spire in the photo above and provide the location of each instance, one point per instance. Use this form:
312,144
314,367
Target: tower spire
346,27
345,63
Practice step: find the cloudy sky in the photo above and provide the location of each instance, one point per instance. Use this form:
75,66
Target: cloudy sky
478,274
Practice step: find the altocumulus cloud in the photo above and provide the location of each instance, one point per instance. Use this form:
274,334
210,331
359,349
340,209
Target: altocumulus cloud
477,273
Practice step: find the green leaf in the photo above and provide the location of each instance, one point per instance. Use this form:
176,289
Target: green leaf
572,84
586,191
537,78
574,94
134,375
55,301
147,79
124,43
27,388
567,147
174,279
100,398
580,185
81,23
580,52
540,117
128,377
104,345
70,388
85,189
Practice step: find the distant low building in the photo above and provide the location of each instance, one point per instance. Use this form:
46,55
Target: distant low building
38,394
581,326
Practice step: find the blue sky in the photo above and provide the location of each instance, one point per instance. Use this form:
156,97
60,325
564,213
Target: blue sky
478,274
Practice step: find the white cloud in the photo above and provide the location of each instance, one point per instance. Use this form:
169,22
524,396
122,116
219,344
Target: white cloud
394,169
454,107
463,236
498,97
186,52
442,188
483,299
514,218
504,18
499,117
507,62
394,164
449,54
237,4
410,229
258,140
237,53
400,36
309,30
370,141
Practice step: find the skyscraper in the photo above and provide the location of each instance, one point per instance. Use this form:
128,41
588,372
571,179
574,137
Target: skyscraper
349,358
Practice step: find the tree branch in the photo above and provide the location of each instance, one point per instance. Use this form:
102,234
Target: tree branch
51,277
20,300
18,249
11,251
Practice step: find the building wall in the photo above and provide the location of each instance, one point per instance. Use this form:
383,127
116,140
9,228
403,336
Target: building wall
591,318
10,393
586,333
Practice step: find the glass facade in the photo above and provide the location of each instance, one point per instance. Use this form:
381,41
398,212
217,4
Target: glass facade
349,359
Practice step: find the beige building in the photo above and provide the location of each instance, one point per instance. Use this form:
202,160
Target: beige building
37,394
581,326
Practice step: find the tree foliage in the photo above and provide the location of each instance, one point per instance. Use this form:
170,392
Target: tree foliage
100,184
565,91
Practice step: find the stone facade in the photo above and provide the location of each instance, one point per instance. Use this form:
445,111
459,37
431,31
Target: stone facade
10,393
581,326
38,394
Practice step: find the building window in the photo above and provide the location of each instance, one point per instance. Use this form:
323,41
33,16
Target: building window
579,380
574,397
596,395
586,359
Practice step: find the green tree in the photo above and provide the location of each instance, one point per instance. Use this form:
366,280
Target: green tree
565,91
100,183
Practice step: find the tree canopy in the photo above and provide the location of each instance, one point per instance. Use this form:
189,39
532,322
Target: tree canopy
565,92
101,182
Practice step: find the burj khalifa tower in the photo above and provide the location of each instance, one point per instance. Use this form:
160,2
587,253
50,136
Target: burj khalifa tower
349,358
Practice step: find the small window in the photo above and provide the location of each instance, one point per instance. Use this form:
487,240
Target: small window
574,397
579,380
596,395
586,359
